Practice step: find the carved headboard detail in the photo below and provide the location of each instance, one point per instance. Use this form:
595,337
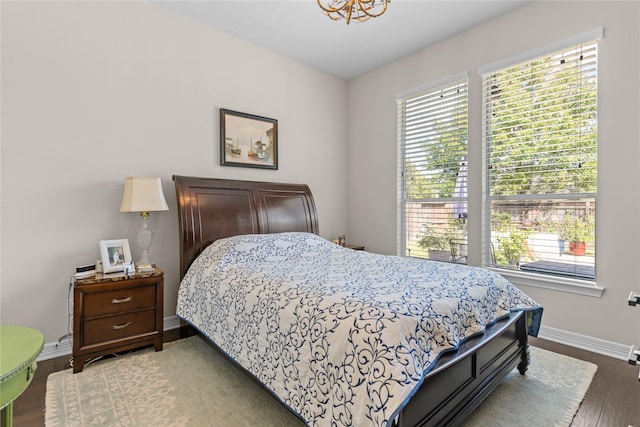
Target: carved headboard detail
211,209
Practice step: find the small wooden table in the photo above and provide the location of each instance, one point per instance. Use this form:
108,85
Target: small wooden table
19,348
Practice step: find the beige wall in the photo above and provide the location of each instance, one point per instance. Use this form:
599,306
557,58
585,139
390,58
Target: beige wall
372,130
96,91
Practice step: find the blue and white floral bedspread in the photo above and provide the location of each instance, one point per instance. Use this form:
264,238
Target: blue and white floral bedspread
342,337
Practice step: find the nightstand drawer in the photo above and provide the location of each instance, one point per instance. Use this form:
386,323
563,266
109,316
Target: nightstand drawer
117,301
118,327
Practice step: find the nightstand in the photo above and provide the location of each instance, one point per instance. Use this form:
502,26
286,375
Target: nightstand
116,312
355,247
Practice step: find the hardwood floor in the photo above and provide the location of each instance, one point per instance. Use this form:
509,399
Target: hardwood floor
613,400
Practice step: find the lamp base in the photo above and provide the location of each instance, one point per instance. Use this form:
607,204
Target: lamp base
144,264
145,268
145,236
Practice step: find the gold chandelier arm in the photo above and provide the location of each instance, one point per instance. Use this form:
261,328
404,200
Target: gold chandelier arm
368,5
359,10
335,5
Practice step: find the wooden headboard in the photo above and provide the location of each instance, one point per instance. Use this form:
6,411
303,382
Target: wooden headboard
211,209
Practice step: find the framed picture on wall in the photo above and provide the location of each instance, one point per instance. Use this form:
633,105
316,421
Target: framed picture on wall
114,254
247,140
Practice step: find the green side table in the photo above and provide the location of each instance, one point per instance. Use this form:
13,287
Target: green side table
19,348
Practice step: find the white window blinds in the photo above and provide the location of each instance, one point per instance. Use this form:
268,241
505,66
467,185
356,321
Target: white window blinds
540,163
432,169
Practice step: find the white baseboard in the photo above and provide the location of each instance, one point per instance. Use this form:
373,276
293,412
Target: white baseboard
57,349
584,342
64,346
607,348
172,322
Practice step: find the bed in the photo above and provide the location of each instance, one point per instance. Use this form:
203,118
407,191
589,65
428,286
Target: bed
236,237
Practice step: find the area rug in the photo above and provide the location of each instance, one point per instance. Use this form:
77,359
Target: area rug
550,393
191,384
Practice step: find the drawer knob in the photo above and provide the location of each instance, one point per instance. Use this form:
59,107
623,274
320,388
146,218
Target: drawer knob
122,300
121,326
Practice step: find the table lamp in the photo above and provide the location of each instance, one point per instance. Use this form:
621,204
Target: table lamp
143,194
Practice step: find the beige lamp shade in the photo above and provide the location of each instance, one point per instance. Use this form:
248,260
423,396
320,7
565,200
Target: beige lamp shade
143,194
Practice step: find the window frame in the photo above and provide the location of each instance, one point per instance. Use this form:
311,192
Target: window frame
402,201
559,283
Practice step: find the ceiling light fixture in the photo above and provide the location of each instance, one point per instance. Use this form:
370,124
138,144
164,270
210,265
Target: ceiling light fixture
358,10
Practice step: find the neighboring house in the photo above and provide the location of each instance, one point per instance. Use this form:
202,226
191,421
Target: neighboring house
96,91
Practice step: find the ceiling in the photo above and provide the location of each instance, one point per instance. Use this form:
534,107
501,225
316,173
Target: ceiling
298,29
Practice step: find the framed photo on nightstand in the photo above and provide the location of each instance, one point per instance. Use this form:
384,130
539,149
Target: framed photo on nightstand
114,254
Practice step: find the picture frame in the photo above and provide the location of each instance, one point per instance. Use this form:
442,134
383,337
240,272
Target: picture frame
247,140
115,254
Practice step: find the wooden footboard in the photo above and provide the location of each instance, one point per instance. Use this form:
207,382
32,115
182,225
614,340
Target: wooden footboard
462,379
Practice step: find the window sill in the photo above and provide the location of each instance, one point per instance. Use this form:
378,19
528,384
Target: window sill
574,286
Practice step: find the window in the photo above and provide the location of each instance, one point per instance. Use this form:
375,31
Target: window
432,156
540,163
